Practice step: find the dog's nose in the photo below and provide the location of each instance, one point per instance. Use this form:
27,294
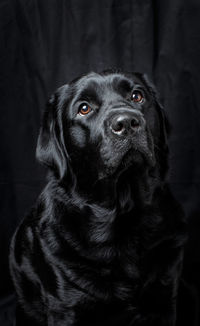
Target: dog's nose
123,124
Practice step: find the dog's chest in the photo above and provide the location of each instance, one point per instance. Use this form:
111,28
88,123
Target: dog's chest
101,292
115,279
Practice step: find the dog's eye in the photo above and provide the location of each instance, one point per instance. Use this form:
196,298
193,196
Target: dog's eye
137,97
84,109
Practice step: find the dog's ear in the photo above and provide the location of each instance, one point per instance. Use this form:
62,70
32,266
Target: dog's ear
51,150
165,127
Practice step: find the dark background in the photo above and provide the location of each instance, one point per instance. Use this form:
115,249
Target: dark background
46,43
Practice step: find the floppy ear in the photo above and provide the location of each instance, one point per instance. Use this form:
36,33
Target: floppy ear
50,148
165,127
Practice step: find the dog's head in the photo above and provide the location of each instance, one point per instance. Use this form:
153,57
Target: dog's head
101,125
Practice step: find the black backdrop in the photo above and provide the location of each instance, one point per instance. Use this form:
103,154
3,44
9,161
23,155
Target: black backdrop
45,43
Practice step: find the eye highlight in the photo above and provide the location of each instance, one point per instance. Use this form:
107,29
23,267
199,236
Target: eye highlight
137,97
84,109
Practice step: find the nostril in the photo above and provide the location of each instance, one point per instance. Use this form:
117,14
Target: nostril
134,123
118,126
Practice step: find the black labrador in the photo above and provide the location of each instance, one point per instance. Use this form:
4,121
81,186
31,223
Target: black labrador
104,243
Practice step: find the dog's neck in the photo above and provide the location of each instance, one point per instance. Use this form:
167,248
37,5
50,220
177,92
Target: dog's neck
121,193
97,219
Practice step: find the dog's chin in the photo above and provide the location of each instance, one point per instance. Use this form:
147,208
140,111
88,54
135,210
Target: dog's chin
134,160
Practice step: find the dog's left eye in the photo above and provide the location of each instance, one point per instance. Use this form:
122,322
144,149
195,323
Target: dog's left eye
137,97
84,109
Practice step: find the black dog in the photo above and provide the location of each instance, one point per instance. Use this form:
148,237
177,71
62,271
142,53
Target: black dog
104,243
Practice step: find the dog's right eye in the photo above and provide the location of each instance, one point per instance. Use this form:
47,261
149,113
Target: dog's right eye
84,109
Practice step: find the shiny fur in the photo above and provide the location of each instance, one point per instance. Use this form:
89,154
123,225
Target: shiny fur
103,244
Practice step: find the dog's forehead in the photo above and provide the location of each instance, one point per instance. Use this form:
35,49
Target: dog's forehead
102,82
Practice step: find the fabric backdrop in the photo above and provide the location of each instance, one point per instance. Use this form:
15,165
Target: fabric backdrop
46,43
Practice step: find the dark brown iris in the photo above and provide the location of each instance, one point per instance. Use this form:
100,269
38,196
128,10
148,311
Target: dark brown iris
137,97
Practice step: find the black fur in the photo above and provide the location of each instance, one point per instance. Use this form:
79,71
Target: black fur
104,243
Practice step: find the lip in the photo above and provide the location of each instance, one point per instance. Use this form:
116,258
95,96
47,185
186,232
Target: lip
135,153
134,160
128,158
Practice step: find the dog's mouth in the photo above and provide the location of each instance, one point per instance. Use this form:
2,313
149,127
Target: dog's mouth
135,159
134,152
132,157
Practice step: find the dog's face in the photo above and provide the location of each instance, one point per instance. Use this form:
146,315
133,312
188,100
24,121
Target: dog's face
100,125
